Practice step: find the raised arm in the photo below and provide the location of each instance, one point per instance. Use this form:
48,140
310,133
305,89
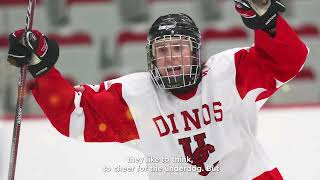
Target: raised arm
276,57
96,113
271,62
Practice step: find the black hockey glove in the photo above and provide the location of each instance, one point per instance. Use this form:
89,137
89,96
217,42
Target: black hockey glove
18,54
259,14
34,49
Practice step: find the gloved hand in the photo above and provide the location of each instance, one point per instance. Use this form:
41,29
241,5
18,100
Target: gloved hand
34,49
18,54
259,14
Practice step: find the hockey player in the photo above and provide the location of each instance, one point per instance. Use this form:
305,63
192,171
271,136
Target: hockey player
206,112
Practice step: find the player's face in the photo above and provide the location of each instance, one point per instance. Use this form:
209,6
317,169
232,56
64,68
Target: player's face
173,57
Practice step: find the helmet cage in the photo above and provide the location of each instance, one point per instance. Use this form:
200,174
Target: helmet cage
174,80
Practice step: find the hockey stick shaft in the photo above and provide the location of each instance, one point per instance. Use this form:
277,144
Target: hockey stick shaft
19,105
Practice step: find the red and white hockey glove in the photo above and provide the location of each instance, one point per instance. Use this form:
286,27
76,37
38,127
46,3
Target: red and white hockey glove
259,14
34,49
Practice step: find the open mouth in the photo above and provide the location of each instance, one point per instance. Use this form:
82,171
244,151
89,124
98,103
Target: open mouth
174,69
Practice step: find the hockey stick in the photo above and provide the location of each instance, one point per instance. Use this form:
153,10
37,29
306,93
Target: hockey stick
21,94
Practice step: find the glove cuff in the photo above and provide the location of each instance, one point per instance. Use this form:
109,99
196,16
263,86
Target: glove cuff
257,16
47,60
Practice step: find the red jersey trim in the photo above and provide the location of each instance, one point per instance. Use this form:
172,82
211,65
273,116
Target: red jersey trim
273,174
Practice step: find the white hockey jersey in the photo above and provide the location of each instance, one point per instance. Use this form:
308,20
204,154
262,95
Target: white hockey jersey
213,127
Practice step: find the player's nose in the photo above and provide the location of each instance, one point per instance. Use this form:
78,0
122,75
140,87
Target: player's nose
173,60
174,56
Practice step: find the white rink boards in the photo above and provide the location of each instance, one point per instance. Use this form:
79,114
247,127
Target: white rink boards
290,136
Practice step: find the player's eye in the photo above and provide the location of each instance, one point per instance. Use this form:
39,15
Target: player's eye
176,48
162,50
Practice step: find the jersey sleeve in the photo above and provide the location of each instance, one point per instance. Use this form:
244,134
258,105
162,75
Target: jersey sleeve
270,63
94,114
